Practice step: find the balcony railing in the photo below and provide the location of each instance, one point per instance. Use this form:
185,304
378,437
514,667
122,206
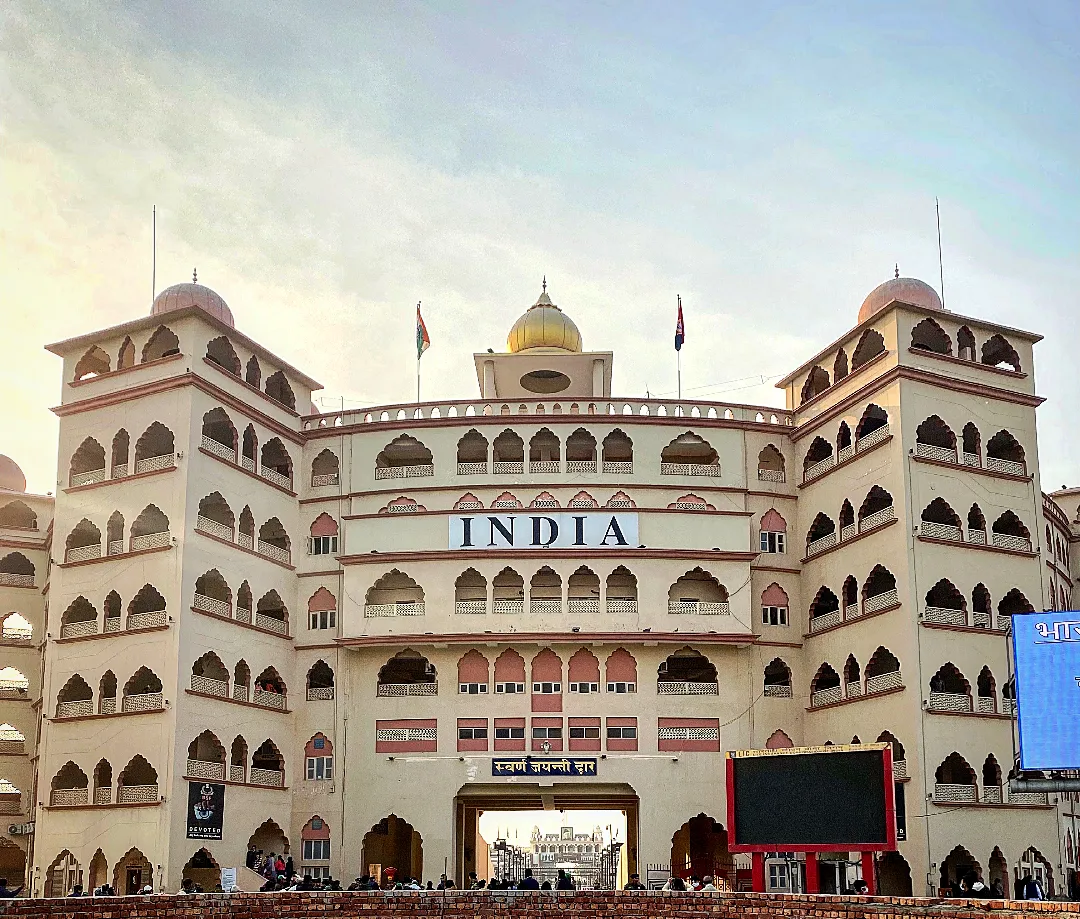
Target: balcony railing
248,463
107,705
199,769
986,705
934,452
976,537
390,610
826,696
277,478
407,689
943,615
1007,541
115,547
278,553
472,468
75,709
955,794
816,546
11,579
825,620
237,774
876,519
950,702
583,605
213,605
266,699
243,614
1008,706
210,686
881,601
149,620
120,470
113,624
618,467
75,629
330,478
270,777
214,527
154,463
845,453
508,467
981,620
240,692
149,541
899,769
245,540
404,472
581,465
707,469
225,451
818,468
771,475
1028,797
874,437
137,794
883,682
941,531
82,553
544,466
142,702
619,606
543,606
68,797
270,623
686,688
699,608
470,607
777,691
103,795
87,478
320,693
507,607
12,746
971,459
1009,467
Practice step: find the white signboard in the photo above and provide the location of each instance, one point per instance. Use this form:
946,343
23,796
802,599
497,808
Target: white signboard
228,879
538,530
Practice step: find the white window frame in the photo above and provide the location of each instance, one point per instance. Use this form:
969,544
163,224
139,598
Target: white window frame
774,615
547,688
322,545
322,619
584,688
310,846
620,732
472,733
509,689
547,732
773,542
583,732
510,733
621,686
473,689
317,764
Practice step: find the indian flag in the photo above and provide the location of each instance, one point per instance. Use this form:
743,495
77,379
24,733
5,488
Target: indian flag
423,342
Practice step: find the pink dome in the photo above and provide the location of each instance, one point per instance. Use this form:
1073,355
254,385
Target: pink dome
180,296
11,476
906,290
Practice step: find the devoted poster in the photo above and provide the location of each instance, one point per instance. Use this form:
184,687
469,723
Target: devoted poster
206,807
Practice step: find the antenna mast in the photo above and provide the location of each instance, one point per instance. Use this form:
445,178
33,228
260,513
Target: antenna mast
941,264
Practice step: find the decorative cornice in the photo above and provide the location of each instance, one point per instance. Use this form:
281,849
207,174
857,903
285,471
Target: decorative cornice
474,554
547,638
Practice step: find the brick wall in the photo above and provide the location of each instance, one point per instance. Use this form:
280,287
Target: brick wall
462,905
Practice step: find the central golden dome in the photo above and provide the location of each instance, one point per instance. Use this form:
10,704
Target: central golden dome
544,325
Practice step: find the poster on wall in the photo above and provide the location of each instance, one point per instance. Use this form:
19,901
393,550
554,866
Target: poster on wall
206,806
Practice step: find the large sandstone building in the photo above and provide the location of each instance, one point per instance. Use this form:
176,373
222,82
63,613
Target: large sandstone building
351,622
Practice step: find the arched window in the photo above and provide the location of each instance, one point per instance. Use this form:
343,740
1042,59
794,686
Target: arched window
685,667
840,365
324,535
945,605
879,590
16,570
870,345
698,592
987,692
216,517
773,532
209,676
206,757
1008,532
404,457
163,343
955,781
843,441
508,592
545,591
107,690
509,673
949,690
250,449
883,672
69,786
147,609
219,434
850,594
143,692
408,673
1013,602
545,501
778,740
996,351
818,459
1004,454
103,778
154,449
899,757
817,381
320,682
821,535
253,372
618,453
325,469
75,698
940,521
689,454
272,614
508,453
221,352
473,674
268,765
991,776
622,591
394,594
319,761
583,672
472,453
620,671
322,610
83,542
876,509
150,530
965,344
771,465
16,627
582,499
972,445
852,677
93,363
545,452
241,681
270,689
935,440
777,679
583,591
121,445
126,356
875,420
274,542
581,452
278,388
847,520
929,336
825,687
277,465
774,605
87,464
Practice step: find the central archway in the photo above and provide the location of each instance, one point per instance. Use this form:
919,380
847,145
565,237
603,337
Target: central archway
700,847
393,843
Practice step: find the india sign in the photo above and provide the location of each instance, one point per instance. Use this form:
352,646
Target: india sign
562,530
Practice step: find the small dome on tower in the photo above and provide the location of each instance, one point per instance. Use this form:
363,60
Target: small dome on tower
180,296
11,476
544,325
906,290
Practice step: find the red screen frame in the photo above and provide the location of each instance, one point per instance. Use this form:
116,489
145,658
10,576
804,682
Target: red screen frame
890,813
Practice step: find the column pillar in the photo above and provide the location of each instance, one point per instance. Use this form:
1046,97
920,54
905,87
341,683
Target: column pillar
868,873
813,879
757,871
489,380
598,380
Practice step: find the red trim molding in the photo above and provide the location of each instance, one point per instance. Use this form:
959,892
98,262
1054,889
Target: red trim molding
124,370
97,716
847,622
96,636
247,472
232,701
978,470
71,489
971,545
114,558
847,542
240,548
245,625
863,698
843,463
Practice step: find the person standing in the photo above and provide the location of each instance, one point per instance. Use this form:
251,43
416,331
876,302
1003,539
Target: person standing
634,883
564,881
528,882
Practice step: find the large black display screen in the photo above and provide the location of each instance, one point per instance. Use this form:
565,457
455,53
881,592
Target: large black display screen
797,800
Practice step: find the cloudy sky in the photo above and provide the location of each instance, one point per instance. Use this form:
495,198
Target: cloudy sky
326,165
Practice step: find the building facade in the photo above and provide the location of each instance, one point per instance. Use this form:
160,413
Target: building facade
347,631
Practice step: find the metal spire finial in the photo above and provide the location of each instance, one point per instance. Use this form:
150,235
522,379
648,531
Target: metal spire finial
195,276
897,274
545,283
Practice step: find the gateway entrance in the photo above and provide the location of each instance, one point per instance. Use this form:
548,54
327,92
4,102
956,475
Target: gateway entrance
606,858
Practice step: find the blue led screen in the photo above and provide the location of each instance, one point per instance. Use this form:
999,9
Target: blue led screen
1047,656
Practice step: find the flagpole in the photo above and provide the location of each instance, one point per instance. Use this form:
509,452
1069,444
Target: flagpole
678,372
418,353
